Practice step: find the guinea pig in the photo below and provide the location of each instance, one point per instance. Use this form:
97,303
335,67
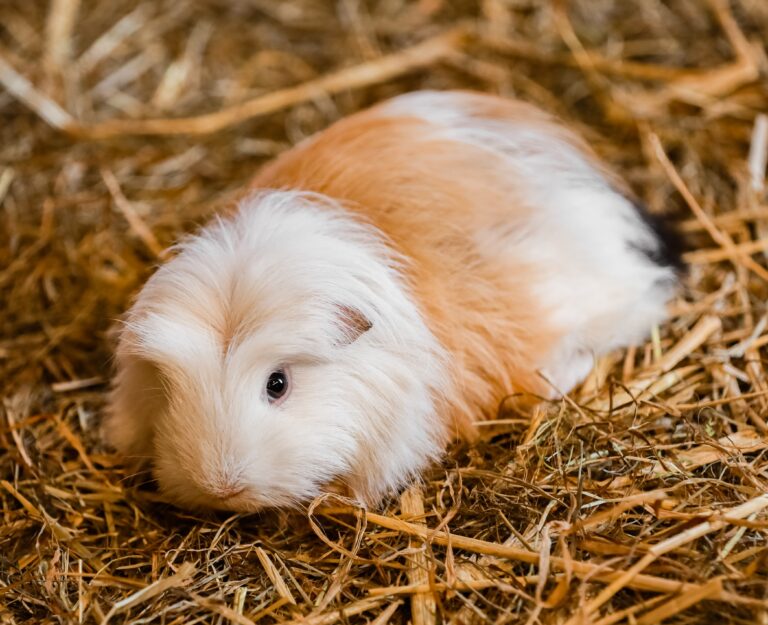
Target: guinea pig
381,287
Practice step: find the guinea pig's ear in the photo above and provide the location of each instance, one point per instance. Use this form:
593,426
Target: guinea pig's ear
353,324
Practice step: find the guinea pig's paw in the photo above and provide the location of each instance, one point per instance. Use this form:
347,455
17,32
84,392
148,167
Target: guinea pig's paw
566,369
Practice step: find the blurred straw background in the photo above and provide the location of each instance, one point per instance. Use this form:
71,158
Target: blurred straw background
642,498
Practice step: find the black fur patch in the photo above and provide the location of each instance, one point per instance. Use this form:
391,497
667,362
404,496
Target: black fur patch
671,244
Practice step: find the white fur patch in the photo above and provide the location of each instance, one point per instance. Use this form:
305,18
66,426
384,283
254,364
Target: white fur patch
255,293
583,234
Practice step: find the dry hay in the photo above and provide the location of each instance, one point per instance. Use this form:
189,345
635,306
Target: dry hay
640,498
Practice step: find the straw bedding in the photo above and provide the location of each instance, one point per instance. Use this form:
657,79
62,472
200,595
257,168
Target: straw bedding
641,498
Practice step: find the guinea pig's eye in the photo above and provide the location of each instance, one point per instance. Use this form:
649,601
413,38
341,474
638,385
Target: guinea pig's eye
278,385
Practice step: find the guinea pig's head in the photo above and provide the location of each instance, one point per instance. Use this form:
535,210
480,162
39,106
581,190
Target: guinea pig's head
278,352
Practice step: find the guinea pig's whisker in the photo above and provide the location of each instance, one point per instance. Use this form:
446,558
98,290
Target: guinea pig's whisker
131,476
147,483
138,472
137,457
151,480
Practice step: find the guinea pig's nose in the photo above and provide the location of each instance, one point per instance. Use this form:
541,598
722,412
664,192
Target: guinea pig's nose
226,490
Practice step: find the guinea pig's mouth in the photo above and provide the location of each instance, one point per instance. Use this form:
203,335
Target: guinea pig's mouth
236,501
241,498
235,493
235,497
229,493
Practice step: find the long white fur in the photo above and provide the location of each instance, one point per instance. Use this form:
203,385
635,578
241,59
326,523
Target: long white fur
588,237
263,289
274,277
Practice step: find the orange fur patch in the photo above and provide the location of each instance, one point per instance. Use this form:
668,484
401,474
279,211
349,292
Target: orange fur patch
428,196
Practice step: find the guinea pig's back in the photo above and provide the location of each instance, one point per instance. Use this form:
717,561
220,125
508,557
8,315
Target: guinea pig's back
526,255
605,270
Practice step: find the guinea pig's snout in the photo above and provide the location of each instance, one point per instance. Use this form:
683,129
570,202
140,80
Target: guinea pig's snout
225,488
